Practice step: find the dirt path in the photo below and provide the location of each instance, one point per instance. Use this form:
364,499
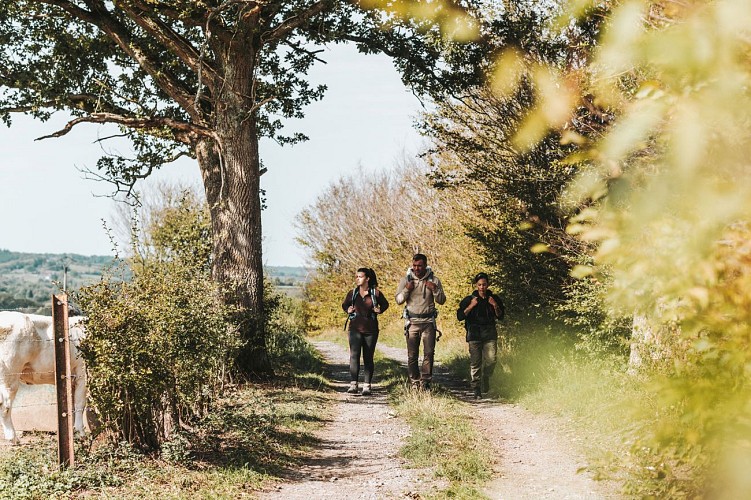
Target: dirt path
359,456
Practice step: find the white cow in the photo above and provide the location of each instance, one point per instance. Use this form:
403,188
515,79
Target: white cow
27,355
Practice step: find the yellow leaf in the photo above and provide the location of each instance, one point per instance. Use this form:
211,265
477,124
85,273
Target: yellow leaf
509,69
580,271
575,228
540,248
587,214
571,137
701,295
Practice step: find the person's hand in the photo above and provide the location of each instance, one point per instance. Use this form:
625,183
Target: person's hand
350,309
495,305
470,306
431,286
377,309
410,285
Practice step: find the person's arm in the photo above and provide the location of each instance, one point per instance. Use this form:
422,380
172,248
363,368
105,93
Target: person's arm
402,294
347,302
382,302
461,312
438,294
497,304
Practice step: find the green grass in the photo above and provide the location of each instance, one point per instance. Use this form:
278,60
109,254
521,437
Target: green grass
253,434
442,436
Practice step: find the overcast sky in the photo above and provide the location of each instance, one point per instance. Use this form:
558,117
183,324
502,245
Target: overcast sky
364,121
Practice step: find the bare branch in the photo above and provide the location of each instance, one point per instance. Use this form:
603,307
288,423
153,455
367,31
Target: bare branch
177,44
311,53
185,132
288,25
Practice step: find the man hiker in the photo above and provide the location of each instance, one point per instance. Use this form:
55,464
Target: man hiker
420,290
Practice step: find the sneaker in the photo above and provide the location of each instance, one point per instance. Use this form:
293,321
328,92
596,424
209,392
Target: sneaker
478,394
366,389
352,388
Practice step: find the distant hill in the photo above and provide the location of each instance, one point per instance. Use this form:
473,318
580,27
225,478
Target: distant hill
28,280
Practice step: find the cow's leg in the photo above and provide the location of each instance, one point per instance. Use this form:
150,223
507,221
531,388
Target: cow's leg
79,402
7,395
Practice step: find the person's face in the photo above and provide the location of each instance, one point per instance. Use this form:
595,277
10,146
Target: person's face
361,279
418,268
482,286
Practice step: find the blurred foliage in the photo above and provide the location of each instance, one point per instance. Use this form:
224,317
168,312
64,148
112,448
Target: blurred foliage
663,196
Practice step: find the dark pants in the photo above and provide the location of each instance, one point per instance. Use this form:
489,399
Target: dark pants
482,359
417,332
365,343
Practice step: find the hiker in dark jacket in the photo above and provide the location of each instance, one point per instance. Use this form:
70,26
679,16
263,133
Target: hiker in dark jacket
363,304
479,312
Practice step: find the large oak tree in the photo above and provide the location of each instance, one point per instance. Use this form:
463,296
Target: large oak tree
203,78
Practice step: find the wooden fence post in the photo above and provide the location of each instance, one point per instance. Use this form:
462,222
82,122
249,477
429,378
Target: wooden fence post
63,381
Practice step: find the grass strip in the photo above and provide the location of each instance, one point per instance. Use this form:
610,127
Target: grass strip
442,436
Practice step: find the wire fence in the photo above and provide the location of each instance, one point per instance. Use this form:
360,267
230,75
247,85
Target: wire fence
4,375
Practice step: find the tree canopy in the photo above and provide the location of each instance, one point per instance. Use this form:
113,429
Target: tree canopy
204,79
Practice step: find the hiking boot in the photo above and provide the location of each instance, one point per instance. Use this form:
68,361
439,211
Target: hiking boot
366,389
352,388
478,394
425,385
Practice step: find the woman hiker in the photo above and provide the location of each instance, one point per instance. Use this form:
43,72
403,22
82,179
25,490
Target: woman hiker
363,304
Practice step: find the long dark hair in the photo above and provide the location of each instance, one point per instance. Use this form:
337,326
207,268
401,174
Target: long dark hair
371,275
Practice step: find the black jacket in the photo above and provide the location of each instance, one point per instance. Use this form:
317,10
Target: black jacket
480,322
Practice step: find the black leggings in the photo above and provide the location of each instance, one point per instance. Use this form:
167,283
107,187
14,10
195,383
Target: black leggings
365,343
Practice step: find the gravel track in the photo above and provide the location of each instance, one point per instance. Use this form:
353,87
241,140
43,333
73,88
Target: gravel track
358,458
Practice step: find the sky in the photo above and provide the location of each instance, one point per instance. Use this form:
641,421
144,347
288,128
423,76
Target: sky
365,121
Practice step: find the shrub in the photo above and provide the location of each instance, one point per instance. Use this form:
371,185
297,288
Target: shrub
156,350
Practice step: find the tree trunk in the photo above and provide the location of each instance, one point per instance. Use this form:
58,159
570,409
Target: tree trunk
231,176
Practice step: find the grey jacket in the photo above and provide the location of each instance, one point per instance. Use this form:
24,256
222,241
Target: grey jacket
420,301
